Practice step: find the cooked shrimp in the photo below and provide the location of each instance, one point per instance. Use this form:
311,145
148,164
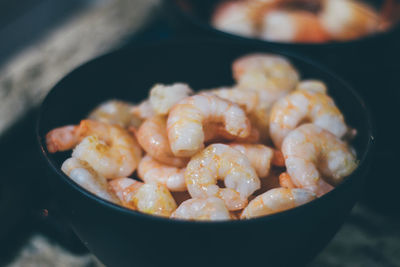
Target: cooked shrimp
247,100
163,97
234,17
292,26
148,198
305,105
315,157
276,200
151,171
62,138
186,119
143,111
273,75
115,112
260,157
347,19
312,86
285,180
152,136
216,133
219,161
108,149
84,175
210,209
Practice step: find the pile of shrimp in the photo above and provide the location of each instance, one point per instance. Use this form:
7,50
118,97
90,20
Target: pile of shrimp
268,143
304,21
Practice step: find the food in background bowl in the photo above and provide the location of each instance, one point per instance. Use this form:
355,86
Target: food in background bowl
303,21
268,124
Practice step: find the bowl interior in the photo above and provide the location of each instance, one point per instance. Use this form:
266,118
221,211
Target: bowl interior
129,73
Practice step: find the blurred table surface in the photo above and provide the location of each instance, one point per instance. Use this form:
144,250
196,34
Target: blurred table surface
367,238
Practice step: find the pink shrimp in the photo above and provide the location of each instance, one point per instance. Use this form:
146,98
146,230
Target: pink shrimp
152,171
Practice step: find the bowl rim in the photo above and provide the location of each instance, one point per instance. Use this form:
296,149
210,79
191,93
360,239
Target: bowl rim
207,26
165,43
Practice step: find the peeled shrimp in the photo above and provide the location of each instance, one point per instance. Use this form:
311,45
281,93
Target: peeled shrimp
84,175
273,75
151,171
315,158
305,105
260,157
292,26
276,200
62,138
186,119
115,112
347,19
285,180
234,17
247,100
219,161
152,136
163,97
108,149
143,111
210,209
148,198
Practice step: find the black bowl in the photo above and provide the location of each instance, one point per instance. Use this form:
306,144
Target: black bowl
121,237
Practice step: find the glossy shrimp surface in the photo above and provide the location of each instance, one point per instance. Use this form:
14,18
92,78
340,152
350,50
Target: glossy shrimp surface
108,149
152,171
163,97
147,198
305,105
152,136
84,175
315,158
276,200
186,119
209,209
260,157
219,161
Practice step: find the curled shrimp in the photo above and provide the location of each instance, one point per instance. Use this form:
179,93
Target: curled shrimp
247,100
163,97
305,105
234,17
210,209
108,149
315,158
186,119
285,180
219,161
84,175
347,19
276,200
147,198
152,136
292,26
273,75
151,171
143,111
260,157
115,112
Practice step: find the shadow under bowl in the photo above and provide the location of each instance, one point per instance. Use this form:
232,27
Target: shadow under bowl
122,237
